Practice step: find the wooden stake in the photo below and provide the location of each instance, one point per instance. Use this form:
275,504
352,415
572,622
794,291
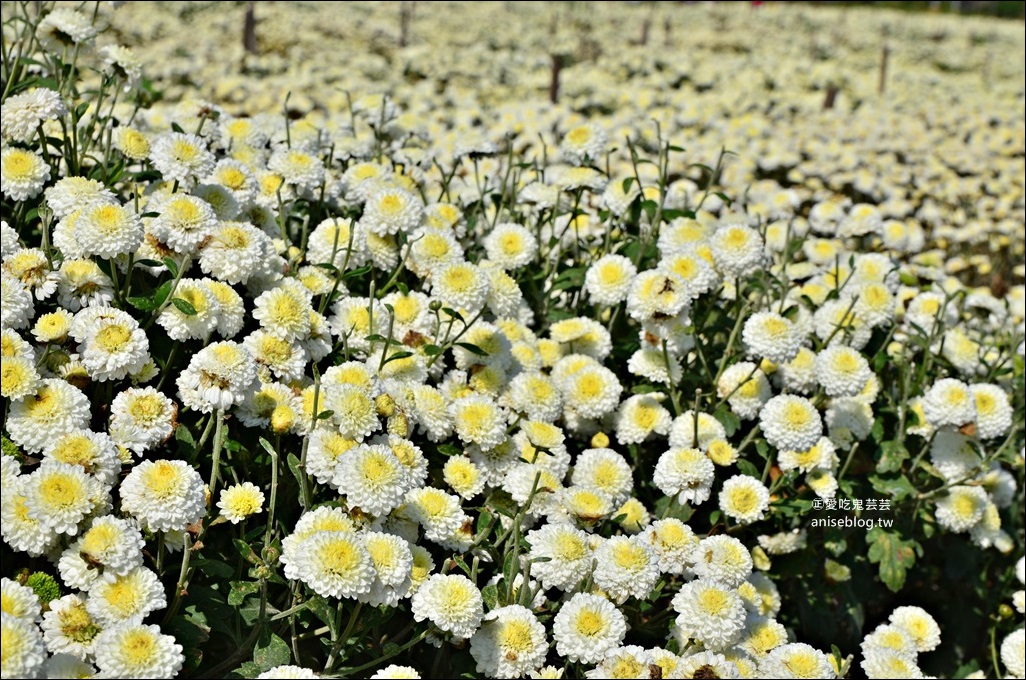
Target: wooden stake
882,86
557,66
249,41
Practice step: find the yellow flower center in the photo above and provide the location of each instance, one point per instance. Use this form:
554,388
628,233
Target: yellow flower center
123,597
99,539
77,625
113,338
338,557
713,601
515,637
589,622
569,547
630,556
184,150
390,204
76,450
162,479
60,490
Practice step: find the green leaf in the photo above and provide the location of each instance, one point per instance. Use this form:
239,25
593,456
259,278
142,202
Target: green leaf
184,306
248,670
728,419
148,303
892,455
271,651
359,271
453,313
449,450
490,595
240,590
462,564
325,415
431,350
473,349
746,467
171,265
893,555
898,487
398,355
295,466
246,551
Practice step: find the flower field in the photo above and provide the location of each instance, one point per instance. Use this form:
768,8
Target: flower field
606,340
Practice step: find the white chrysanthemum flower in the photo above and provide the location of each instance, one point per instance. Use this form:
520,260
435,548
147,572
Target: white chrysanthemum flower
439,513
710,612
335,564
626,567
762,635
993,411
722,558
769,335
218,376
236,252
682,431
285,310
650,363
23,650
132,143
277,406
842,371
592,391
586,336
784,543
479,420
59,496
790,423
796,660
275,356
26,111
819,455
132,596
296,167
113,544
737,249
311,523
657,293
114,346
510,643
63,28
396,672
164,495
673,542
746,389
452,602
354,318
461,285
297,672
919,625
20,530
510,245
463,476
584,143
391,210
640,416
81,283
372,478
708,662
693,266
53,327
181,158
68,666
19,601
184,222
837,321
949,402
962,508
34,271
433,249
239,501
135,650
22,174
71,194
744,499
568,552
146,412
68,628
604,470
184,325
1012,653
630,661
588,628
326,451
686,472
18,377
535,394
609,278
16,306
237,178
